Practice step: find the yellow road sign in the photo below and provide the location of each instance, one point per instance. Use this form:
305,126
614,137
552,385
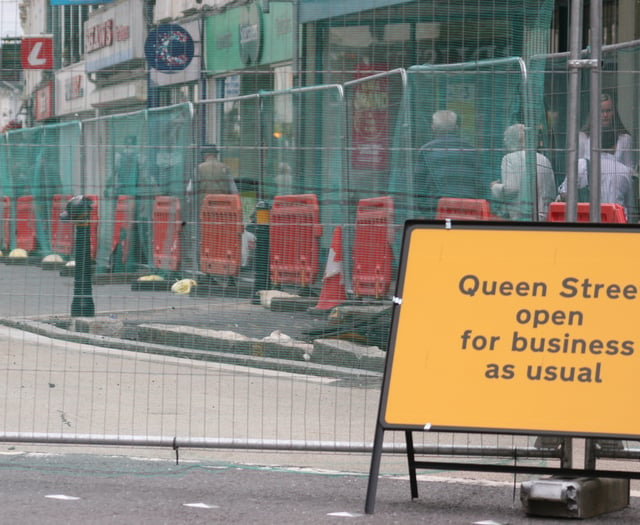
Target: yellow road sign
521,329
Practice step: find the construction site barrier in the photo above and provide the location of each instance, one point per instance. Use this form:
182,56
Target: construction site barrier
372,247
61,231
5,216
293,236
221,229
122,228
25,224
167,224
609,212
468,209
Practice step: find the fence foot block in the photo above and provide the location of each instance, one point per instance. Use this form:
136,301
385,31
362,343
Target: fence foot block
564,497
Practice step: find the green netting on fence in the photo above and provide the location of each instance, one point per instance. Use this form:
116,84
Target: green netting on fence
129,161
40,163
341,142
486,97
234,126
619,79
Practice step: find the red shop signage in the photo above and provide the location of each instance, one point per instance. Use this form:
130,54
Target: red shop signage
370,118
43,102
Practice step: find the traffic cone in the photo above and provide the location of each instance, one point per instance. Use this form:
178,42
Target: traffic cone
332,293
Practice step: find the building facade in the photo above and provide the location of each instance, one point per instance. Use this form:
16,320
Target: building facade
266,44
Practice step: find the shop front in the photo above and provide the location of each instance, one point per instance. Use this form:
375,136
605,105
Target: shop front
115,59
73,93
249,52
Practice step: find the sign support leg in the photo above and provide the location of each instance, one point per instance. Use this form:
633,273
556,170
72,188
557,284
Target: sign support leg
374,470
411,459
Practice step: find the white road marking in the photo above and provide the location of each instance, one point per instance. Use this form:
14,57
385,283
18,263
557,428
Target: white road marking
200,506
62,496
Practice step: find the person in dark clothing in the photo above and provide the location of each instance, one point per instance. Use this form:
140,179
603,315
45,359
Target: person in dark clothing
447,166
612,130
130,178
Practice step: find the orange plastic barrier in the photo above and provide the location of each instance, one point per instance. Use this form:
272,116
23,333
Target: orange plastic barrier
5,216
469,209
167,224
61,231
221,230
293,237
123,225
609,213
93,225
372,252
25,224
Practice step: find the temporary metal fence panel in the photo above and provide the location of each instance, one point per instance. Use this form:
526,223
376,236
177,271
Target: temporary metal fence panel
96,167
619,78
234,371
486,97
234,126
378,138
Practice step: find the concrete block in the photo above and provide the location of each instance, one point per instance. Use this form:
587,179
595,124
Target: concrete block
337,352
151,286
292,304
276,345
100,325
563,497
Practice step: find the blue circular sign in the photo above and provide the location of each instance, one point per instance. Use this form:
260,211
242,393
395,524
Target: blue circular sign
169,48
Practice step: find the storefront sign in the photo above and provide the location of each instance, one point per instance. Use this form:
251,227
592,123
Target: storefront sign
43,102
244,36
74,87
115,35
371,121
98,36
37,52
72,90
250,33
169,48
174,57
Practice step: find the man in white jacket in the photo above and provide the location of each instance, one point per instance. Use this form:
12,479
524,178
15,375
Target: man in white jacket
509,190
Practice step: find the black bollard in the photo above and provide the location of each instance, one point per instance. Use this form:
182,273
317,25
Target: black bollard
78,210
262,274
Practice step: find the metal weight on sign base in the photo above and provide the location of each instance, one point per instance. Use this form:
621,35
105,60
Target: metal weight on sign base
78,210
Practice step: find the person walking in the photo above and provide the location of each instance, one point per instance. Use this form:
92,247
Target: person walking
214,176
447,166
509,190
